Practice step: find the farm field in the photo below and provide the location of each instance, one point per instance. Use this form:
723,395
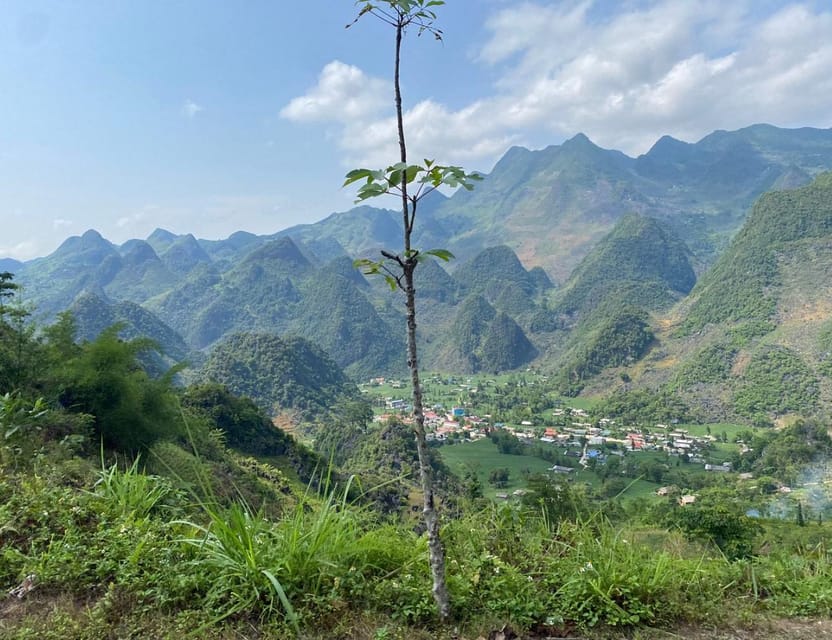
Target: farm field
483,456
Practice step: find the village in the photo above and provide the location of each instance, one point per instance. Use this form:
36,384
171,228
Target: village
577,439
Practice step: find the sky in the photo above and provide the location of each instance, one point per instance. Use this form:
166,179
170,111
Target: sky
209,116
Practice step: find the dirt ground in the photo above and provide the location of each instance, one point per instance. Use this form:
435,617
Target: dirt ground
15,612
790,629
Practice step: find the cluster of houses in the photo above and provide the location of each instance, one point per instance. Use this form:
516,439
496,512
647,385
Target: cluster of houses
440,425
581,438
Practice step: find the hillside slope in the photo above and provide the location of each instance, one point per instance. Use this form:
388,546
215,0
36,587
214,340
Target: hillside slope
753,339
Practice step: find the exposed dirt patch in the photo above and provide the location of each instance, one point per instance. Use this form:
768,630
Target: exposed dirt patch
39,611
741,363
287,422
767,630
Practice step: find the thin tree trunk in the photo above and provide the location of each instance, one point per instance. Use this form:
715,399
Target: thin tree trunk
435,548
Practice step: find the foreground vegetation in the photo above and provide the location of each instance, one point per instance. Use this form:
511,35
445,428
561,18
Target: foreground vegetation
130,507
116,552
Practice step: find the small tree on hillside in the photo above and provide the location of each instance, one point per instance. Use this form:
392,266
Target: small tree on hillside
7,289
16,337
499,477
411,183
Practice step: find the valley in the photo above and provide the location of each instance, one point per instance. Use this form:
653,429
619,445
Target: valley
626,411
519,422
279,360
677,294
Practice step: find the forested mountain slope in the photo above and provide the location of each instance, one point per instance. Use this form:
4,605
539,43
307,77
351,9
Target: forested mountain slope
624,236
753,338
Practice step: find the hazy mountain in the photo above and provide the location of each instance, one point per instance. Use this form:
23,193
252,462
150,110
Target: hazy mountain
551,206
336,315
494,268
93,313
139,274
10,265
184,255
232,248
257,294
161,240
435,284
81,262
625,235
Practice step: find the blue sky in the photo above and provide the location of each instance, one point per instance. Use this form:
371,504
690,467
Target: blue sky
206,117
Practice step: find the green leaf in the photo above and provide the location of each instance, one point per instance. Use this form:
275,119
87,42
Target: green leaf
370,190
412,171
392,282
357,174
395,178
442,254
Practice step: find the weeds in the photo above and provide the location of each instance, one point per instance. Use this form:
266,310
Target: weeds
130,493
131,546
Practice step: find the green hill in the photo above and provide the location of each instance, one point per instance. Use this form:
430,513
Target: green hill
621,232
639,267
287,374
184,255
620,337
94,313
81,262
751,339
640,262
742,286
334,314
490,271
481,338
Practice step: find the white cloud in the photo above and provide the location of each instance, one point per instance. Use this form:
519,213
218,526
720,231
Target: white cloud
137,218
25,250
344,93
624,78
61,223
190,109
670,67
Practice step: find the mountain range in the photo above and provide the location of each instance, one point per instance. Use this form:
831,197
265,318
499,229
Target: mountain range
579,259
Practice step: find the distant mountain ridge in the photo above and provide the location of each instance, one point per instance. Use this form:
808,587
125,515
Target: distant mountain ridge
623,237
552,205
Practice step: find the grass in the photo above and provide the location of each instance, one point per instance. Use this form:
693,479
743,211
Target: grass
636,488
721,452
452,394
327,565
717,429
585,403
132,493
483,456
